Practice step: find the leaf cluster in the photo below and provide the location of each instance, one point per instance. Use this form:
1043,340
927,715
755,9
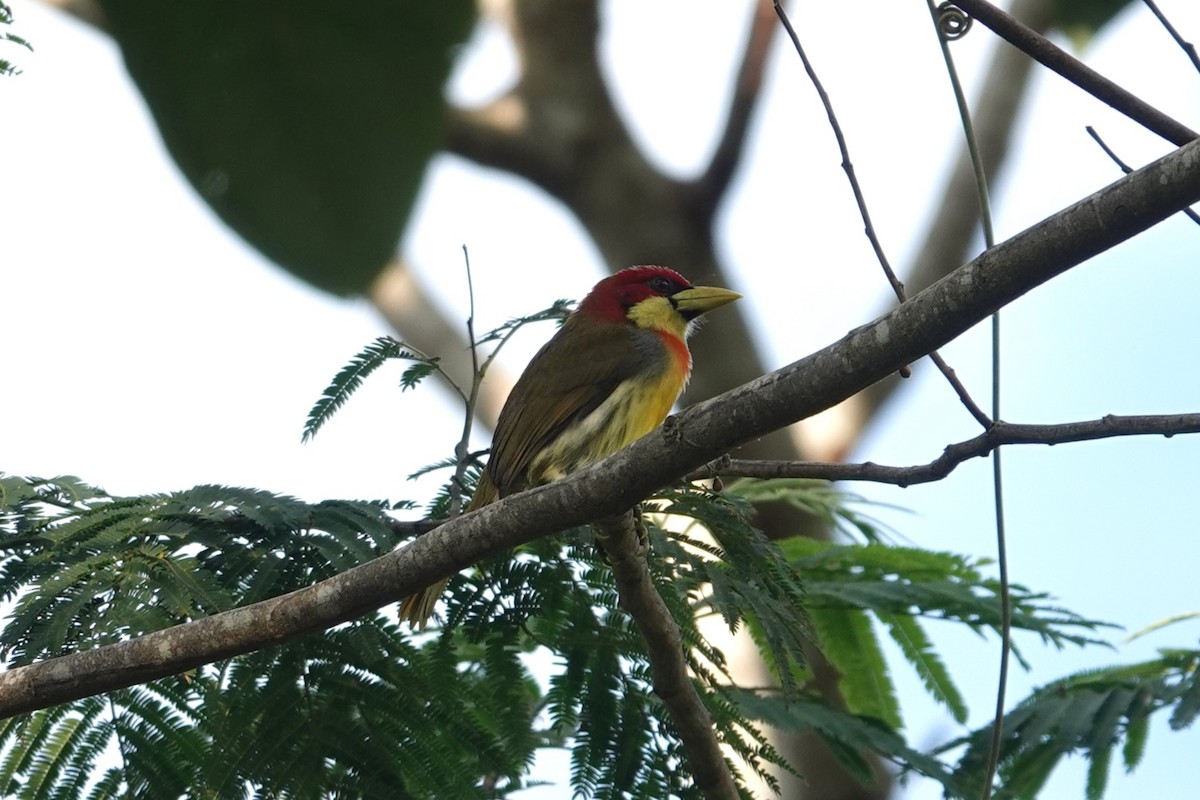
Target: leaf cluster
360,711
560,595
7,68
368,709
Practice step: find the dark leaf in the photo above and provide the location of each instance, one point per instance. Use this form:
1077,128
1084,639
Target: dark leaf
305,125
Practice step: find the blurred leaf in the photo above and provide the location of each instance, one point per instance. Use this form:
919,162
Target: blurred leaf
1081,19
6,67
305,125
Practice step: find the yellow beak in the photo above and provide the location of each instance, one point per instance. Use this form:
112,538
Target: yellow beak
693,302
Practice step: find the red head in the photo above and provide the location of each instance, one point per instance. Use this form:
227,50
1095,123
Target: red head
612,298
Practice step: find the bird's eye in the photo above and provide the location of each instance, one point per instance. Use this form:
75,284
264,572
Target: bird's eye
660,285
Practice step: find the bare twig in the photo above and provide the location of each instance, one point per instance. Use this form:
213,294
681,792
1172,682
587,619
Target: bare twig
1108,151
624,537
463,447
1000,434
696,436
1055,58
896,284
1187,47
847,165
960,389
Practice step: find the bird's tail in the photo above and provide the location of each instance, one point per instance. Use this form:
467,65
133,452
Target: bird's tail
418,606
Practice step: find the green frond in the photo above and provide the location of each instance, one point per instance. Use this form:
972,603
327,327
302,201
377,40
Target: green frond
848,736
1088,713
1187,707
914,643
908,581
351,377
742,575
819,499
848,640
1136,734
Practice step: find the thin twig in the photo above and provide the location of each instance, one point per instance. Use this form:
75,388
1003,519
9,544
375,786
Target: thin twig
1108,151
462,449
1187,47
896,284
624,540
957,385
847,165
1055,58
1000,434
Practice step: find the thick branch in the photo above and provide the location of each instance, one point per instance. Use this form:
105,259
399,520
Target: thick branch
1054,57
695,437
1001,433
623,538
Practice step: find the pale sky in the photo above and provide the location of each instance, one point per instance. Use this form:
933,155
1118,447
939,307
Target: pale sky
149,350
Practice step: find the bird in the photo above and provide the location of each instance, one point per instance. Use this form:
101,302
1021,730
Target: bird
609,376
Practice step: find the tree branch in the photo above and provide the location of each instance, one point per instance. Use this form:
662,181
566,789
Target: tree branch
1188,48
1055,58
1000,434
624,540
1108,151
707,191
685,442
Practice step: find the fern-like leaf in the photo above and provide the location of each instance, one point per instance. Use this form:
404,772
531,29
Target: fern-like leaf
848,640
914,643
351,377
1085,713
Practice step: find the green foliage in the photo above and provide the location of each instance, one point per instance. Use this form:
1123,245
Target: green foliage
361,711
367,710
6,67
560,595
1083,19
901,586
1089,713
819,499
351,377
370,710
848,736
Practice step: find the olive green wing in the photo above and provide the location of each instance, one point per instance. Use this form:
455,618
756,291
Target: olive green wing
569,378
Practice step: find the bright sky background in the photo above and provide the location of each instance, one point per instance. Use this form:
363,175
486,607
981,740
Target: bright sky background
149,350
